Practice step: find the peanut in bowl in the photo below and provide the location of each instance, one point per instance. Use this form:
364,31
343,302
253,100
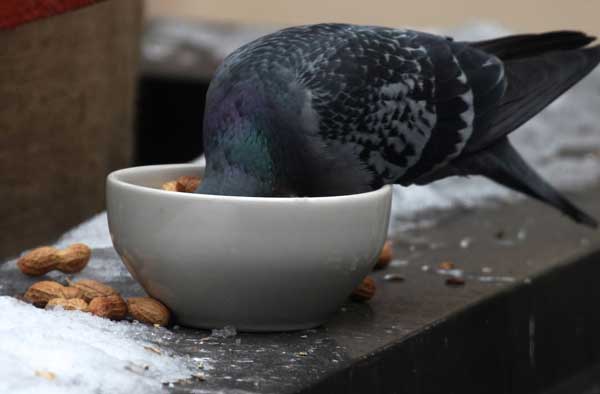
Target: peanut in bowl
258,264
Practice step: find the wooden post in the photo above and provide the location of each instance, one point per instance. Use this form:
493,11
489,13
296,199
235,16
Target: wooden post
67,87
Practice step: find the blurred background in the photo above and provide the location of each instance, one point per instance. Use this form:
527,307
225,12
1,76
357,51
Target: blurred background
524,15
120,83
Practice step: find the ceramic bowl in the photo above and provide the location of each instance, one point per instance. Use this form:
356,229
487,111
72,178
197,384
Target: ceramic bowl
258,264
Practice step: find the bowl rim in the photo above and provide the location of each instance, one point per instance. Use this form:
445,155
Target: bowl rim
115,178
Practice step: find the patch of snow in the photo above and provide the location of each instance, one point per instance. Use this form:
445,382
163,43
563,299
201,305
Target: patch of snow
94,232
189,44
73,352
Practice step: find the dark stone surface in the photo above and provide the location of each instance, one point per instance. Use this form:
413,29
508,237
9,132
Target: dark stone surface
524,327
585,382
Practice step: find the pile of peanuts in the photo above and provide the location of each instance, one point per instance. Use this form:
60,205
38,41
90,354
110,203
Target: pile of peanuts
85,294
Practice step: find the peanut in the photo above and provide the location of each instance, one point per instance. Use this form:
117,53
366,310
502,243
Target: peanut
41,292
74,258
75,304
92,289
148,310
112,307
72,292
364,291
184,184
446,265
46,375
170,186
188,184
385,256
42,260
455,281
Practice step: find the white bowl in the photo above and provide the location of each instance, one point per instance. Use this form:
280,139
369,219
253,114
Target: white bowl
259,264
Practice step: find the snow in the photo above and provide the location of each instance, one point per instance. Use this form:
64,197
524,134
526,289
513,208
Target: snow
81,353
94,231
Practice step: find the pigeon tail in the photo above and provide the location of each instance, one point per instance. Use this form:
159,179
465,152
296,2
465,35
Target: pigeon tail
538,69
504,165
528,45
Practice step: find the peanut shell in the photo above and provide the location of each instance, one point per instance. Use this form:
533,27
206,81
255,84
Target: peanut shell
41,292
112,307
364,291
74,258
148,310
92,289
187,184
74,304
385,256
39,261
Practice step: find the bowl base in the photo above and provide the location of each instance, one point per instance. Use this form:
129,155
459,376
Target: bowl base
267,327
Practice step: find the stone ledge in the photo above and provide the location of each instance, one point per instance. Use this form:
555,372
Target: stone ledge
534,325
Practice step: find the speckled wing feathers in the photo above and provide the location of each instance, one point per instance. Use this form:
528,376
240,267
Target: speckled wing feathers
402,101
375,96
337,109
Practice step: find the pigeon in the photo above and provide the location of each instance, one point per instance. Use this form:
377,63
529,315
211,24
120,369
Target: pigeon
335,109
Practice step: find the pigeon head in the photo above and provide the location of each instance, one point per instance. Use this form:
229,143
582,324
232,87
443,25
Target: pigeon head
244,156
238,157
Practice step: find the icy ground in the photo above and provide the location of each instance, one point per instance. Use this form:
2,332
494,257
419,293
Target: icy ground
71,352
